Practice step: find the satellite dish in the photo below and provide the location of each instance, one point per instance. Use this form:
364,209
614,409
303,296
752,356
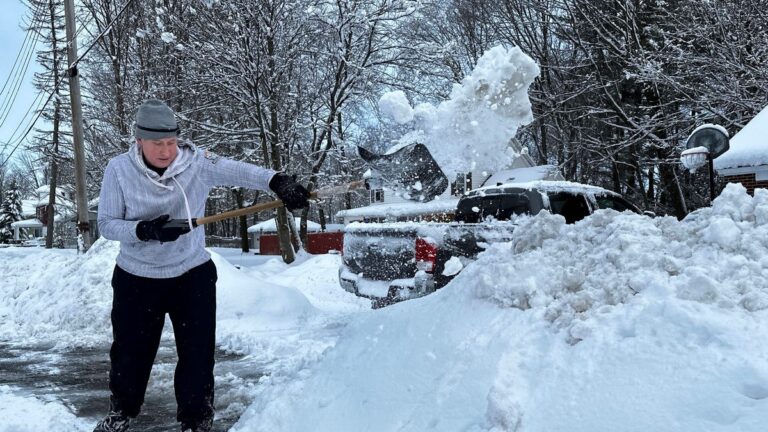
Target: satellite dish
713,137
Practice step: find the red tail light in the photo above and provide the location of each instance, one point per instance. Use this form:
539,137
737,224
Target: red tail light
426,253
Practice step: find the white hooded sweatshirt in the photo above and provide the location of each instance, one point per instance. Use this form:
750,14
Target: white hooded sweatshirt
131,192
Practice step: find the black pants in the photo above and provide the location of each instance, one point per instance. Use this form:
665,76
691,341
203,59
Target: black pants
138,314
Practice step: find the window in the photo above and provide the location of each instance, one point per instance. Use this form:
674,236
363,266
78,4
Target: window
572,207
498,207
613,202
377,195
462,184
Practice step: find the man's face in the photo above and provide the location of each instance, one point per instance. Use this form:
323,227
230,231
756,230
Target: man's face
159,152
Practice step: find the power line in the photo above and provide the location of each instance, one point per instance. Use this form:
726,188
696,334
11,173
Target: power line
11,140
73,66
38,99
18,79
18,55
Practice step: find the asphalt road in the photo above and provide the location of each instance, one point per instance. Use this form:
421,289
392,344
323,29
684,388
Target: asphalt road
79,379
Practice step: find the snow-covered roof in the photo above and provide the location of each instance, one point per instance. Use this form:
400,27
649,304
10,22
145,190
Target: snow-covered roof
64,203
522,175
749,147
402,209
270,225
27,223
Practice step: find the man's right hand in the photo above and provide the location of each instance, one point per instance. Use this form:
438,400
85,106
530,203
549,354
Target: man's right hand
156,229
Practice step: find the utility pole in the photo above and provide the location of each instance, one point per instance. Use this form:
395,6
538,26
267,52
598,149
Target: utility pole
83,227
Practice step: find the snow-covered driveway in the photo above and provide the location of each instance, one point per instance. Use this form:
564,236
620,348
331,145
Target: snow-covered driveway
55,332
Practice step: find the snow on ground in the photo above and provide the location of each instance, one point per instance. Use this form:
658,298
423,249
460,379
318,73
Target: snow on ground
29,414
57,297
619,322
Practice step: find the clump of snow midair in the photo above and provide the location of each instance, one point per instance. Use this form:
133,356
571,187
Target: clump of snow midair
168,37
452,267
395,105
473,128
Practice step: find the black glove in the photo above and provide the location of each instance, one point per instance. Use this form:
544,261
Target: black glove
293,195
158,229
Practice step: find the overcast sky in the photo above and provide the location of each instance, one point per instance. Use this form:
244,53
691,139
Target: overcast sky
14,16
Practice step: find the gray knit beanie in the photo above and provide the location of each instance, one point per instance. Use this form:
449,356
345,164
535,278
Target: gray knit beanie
155,120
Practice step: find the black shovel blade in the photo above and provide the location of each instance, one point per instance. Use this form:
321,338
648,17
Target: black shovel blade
411,168
180,223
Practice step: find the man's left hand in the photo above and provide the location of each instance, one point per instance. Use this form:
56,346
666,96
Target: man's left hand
293,195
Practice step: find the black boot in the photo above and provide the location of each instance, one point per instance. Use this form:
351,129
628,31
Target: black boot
205,425
113,422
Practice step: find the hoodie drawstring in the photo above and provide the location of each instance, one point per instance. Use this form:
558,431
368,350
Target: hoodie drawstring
186,204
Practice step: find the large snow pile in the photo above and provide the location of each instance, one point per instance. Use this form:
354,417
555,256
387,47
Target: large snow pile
473,128
57,296
618,322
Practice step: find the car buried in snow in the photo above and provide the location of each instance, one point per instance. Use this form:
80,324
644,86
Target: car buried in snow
391,262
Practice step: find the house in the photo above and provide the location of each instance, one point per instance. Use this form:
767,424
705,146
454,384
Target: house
746,161
264,236
269,227
34,211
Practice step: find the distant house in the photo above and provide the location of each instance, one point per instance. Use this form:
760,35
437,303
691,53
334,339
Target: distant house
263,236
269,227
34,211
746,161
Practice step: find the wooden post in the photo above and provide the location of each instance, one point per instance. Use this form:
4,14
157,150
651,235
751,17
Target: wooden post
84,240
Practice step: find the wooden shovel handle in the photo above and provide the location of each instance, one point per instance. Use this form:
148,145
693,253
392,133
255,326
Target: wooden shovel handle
321,193
245,211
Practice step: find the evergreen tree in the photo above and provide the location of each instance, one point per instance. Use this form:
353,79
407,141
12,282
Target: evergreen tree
10,211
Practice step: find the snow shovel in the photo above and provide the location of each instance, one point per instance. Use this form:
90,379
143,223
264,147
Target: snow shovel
411,168
318,194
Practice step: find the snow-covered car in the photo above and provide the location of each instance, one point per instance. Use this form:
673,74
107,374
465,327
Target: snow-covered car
391,262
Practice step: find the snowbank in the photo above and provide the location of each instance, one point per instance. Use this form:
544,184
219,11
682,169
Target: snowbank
473,128
59,297
618,322
29,414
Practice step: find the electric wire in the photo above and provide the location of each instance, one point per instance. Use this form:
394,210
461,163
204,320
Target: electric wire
18,78
61,79
35,102
22,48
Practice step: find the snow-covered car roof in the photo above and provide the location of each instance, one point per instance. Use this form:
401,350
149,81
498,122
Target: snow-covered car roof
543,185
402,209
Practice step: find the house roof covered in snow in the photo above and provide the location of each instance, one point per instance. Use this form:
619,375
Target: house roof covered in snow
64,203
270,225
749,147
27,223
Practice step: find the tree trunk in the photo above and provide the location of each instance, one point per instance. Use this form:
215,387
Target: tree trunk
674,192
239,199
51,209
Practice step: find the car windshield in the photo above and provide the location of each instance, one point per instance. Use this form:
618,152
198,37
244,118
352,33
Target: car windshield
474,209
